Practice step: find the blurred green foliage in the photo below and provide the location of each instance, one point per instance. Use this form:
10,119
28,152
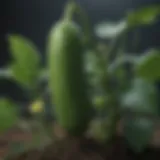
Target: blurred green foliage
107,78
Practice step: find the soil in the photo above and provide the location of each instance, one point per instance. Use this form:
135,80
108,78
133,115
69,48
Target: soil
78,149
86,149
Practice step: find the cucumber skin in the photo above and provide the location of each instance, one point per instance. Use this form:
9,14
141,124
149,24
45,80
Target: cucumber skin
67,80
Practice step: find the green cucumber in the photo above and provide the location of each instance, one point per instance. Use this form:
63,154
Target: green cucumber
66,78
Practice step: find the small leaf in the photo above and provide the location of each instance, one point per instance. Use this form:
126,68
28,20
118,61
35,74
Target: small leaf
5,73
148,66
99,101
99,130
143,16
115,66
26,62
110,30
44,74
141,98
90,61
138,132
8,115
121,69
93,67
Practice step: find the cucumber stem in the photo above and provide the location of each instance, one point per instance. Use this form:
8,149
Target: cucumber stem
69,10
73,7
88,39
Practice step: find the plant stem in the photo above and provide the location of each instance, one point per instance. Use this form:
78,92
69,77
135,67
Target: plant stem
88,38
117,45
135,41
114,113
114,90
73,7
69,10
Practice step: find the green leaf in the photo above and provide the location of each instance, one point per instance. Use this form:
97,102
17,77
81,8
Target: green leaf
44,74
90,62
26,64
138,133
99,129
143,16
99,101
116,66
118,69
141,98
8,114
148,66
110,29
93,68
5,73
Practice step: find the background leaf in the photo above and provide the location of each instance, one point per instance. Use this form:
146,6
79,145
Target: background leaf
148,66
5,73
115,66
93,67
138,132
143,16
99,101
121,69
110,29
8,114
141,98
26,60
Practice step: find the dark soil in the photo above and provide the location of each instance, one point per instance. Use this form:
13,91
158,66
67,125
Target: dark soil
73,149
79,149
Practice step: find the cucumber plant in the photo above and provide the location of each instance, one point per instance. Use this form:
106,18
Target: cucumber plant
87,83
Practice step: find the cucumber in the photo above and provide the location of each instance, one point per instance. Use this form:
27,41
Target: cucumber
66,78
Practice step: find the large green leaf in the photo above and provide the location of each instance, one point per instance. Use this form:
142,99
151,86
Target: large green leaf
8,115
143,16
141,98
26,62
148,66
138,132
